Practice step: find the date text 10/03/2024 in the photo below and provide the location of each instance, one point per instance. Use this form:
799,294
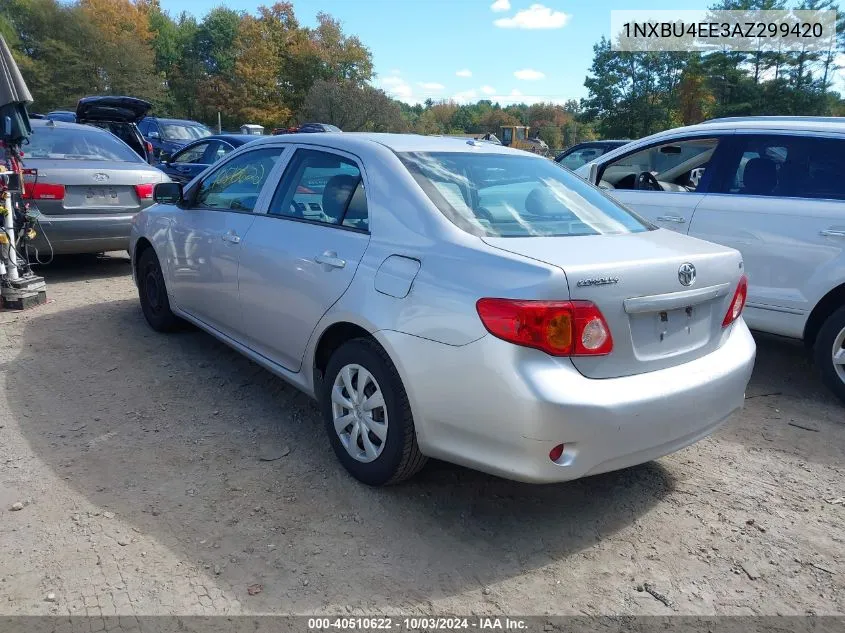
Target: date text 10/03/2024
417,623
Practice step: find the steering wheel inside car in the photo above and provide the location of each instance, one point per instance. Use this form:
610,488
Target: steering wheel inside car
647,182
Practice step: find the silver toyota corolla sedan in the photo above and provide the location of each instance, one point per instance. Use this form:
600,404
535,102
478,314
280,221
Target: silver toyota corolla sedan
87,184
452,299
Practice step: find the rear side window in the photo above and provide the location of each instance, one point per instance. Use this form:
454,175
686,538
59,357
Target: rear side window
322,187
508,195
77,143
785,166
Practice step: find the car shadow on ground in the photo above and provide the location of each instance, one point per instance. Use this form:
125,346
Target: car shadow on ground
68,268
171,432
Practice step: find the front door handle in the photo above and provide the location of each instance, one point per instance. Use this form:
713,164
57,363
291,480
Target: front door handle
671,218
833,233
231,238
330,258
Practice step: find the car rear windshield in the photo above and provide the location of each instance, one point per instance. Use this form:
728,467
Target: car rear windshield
182,132
77,144
496,195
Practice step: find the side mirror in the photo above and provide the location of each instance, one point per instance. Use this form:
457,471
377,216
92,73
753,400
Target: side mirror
164,157
168,193
594,173
154,135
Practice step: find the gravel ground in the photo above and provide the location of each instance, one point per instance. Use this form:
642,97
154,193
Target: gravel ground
151,474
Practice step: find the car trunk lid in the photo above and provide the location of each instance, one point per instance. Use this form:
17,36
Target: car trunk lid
636,281
90,187
121,109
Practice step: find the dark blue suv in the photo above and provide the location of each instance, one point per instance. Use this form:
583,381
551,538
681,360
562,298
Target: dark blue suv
171,135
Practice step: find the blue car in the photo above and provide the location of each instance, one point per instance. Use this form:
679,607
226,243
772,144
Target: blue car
193,158
171,135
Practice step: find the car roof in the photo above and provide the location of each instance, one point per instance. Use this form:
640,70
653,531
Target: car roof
166,120
351,141
47,123
237,138
789,123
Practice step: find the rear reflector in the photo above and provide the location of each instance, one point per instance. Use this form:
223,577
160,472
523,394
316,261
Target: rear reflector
559,328
556,452
43,191
145,192
738,302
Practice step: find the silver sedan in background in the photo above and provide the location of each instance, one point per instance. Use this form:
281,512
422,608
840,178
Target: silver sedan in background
86,184
452,299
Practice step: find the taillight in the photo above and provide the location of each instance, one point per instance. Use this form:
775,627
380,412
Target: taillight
738,302
145,192
43,191
559,328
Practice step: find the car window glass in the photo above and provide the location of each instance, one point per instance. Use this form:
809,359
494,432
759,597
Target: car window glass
221,150
77,143
516,196
192,154
322,187
580,157
675,166
786,166
237,184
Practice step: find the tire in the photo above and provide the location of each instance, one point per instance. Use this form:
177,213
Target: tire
832,334
397,456
152,293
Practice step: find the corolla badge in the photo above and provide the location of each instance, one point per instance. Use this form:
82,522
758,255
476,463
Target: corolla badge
686,274
597,281
101,177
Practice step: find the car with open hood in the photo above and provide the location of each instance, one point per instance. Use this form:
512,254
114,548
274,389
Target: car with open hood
120,116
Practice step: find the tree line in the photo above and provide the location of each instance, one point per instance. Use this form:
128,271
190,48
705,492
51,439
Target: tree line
268,68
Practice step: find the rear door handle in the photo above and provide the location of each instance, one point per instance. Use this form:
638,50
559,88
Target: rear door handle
231,238
330,258
833,233
671,218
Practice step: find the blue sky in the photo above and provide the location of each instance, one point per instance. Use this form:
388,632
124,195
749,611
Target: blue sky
503,50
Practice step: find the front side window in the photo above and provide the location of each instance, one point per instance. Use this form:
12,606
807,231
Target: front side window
786,166
322,187
671,166
498,195
191,155
60,143
236,185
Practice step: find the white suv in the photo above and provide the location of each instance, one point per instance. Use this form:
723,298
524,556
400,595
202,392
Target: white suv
771,187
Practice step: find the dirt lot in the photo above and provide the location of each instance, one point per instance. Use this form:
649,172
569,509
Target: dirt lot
138,461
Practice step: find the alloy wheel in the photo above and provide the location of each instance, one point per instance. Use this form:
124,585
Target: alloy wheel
838,353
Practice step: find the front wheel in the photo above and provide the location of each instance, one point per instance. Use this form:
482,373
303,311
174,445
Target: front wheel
367,415
829,352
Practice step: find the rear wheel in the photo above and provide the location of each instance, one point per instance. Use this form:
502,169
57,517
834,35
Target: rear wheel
152,293
829,352
368,416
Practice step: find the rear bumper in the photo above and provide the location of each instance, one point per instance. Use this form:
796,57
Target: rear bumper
499,408
83,233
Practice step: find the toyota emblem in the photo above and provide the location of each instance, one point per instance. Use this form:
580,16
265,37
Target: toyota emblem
686,274
101,177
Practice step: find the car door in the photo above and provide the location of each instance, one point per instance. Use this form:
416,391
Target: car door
779,199
664,181
301,255
191,161
206,237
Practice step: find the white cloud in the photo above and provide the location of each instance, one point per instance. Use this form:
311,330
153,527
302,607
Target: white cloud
501,5
431,85
516,93
397,87
516,96
535,17
395,71
529,74
464,73
466,96
488,90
